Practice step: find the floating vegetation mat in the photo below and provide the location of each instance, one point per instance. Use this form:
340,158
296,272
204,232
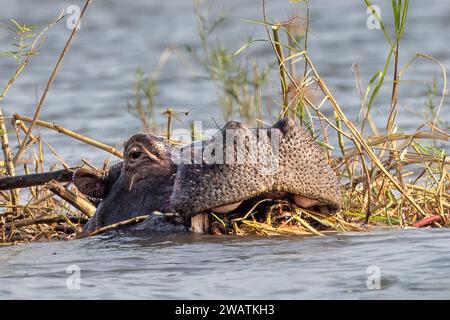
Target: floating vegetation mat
280,217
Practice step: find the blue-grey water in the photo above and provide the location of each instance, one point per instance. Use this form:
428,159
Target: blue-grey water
90,95
406,264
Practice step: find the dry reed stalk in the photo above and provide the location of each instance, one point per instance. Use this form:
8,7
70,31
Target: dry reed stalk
72,134
79,202
36,221
281,65
36,179
114,226
9,164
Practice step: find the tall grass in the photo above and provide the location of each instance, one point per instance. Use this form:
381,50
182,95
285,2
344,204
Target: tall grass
375,167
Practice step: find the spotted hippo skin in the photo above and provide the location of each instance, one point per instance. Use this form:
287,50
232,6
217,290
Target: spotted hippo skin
236,165
279,162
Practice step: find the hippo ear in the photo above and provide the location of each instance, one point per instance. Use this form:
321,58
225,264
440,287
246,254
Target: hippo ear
90,183
234,125
284,125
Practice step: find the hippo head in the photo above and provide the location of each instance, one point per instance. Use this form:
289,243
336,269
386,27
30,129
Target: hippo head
236,165
138,185
282,161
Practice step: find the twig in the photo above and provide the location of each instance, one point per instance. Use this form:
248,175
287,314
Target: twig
9,164
114,226
282,68
37,221
72,134
85,206
36,179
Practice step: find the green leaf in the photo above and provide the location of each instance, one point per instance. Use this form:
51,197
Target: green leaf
246,45
17,25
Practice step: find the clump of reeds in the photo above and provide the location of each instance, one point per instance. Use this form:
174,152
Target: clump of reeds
52,210
396,178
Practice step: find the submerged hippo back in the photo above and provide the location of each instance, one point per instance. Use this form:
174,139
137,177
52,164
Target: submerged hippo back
281,158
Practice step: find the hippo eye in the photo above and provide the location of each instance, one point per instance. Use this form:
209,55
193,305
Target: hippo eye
134,153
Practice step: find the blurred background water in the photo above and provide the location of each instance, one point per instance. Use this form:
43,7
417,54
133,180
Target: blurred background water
90,96
95,83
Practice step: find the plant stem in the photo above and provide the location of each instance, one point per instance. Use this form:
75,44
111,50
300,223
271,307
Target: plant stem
282,67
9,164
71,134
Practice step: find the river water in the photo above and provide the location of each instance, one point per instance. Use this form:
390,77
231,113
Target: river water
90,96
411,264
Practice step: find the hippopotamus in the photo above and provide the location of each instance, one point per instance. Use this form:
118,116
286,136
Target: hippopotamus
236,165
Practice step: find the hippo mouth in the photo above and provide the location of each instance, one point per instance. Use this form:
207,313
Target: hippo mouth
202,223
299,200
